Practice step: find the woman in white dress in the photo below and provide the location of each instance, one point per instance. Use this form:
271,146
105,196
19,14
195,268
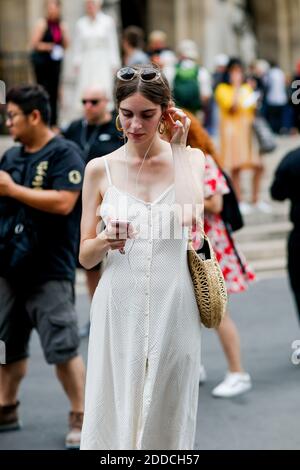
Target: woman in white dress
144,349
96,50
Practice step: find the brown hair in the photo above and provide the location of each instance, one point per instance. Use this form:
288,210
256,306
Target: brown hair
157,91
199,138
134,36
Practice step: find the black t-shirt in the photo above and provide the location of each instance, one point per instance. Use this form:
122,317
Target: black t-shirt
286,184
95,141
57,166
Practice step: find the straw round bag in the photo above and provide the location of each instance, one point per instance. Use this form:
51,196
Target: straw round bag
209,285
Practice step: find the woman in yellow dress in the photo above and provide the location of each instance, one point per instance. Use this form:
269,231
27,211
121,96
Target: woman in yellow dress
237,101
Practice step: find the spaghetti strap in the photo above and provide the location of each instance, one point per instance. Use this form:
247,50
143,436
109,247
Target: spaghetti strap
107,171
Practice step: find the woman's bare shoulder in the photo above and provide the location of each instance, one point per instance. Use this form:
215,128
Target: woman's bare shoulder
96,167
41,23
115,155
195,153
95,171
196,158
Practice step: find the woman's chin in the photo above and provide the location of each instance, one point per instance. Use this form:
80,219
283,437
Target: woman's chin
137,138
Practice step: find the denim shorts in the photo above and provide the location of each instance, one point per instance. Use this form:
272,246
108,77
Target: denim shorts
48,308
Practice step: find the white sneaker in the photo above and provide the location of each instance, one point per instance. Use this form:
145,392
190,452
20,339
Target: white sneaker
203,375
234,384
245,208
264,207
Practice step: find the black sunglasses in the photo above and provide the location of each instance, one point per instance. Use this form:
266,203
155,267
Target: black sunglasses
93,102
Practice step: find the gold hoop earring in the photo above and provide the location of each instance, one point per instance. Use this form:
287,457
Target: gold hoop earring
118,124
162,127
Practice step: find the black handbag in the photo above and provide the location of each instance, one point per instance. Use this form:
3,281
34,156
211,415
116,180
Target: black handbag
231,214
265,137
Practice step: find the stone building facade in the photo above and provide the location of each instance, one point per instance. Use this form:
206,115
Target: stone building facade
249,28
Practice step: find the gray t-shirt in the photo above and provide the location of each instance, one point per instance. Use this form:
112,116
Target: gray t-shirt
138,57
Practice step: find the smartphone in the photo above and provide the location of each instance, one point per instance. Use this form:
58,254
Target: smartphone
122,227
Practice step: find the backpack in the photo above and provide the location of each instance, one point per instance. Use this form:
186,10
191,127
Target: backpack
231,214
186,88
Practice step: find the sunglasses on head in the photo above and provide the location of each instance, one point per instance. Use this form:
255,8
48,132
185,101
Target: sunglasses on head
146,75
93,102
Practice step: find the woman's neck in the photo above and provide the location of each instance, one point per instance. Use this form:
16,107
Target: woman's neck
149,148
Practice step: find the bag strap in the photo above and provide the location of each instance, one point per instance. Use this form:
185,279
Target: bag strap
228,231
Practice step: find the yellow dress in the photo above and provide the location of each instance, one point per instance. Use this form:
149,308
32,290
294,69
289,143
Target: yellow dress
238,148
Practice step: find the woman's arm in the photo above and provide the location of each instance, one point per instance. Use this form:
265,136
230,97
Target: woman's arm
189,165
93,246
65,35
214,204
38,33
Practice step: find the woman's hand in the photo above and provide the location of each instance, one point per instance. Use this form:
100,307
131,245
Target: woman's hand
45,46
116,234
177,126
111,242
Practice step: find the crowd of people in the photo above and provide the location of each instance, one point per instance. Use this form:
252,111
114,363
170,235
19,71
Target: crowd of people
134,152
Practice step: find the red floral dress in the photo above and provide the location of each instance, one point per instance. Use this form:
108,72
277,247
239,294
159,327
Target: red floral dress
236,276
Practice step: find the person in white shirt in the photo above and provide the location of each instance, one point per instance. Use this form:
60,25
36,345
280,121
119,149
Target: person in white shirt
96,51
276,97
133,45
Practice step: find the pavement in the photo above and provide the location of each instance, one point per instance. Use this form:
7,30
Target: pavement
267,417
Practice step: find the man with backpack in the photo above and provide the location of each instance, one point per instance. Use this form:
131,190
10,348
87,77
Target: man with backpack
191,83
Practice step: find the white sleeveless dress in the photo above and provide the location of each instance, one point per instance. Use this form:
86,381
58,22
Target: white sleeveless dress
144,348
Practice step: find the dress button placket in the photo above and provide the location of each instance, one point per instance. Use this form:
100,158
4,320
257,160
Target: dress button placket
147,383
148,277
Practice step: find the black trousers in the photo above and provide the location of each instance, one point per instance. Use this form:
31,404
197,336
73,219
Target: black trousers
274,116
294,266
48,75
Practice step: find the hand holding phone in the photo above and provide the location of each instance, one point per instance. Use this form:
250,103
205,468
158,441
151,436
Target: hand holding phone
120,231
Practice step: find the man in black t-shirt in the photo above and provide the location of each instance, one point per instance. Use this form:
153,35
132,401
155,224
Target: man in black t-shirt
96,135
96,132
286,186
40,183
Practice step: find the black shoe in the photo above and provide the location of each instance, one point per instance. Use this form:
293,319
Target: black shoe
9,418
